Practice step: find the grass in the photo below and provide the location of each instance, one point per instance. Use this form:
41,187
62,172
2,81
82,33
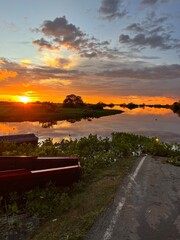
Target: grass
85,206
174,161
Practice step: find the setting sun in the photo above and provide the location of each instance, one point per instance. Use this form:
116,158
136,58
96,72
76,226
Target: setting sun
24,99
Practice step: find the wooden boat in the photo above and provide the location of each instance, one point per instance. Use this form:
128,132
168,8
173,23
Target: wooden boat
20,173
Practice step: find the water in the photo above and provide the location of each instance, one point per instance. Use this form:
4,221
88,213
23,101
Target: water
162,123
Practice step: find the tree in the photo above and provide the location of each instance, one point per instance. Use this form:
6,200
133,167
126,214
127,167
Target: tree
132,106
176,107
73,101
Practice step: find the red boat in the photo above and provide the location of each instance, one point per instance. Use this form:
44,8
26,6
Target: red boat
20,173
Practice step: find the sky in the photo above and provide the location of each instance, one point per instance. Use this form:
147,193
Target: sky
115,51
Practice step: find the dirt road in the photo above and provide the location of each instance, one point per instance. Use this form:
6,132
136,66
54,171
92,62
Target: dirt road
146,207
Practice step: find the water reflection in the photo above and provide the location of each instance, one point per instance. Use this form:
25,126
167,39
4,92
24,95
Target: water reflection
144,111
149,121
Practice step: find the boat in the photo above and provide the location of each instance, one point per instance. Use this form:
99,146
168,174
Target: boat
22,173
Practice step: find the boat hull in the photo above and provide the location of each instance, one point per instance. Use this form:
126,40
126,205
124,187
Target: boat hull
25,173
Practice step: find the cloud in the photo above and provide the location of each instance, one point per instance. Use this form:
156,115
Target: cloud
55,82
153,32
89,54
61,28
26,61
6,74
63,33
152,41
38,72
57,62
149,1
2,61
160,80
133,78
110,9
31,94
152,2
42,43
167,72
135,27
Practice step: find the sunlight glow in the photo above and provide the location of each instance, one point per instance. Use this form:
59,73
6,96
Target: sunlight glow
24,99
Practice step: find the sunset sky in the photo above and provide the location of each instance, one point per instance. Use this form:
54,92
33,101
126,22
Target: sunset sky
103,50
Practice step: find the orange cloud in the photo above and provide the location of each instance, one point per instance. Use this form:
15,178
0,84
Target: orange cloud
1,62
4,74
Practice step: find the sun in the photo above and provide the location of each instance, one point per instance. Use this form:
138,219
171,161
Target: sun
24,99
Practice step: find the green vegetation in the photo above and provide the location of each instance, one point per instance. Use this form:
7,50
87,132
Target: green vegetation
48,112
105,162
174,160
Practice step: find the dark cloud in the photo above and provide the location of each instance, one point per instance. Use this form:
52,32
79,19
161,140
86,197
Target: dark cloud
152,41
124,38
153,32
110,9
152,73
60,28
42,43
64,33
68,35
151,23
135,27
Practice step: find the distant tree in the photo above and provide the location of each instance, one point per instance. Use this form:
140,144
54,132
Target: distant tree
123,105
111,105
49,106
97,106
73,101
132,106
176,107
142,105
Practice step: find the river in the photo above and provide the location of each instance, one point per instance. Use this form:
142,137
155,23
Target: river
153,122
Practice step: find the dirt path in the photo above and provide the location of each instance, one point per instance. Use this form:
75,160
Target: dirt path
146,207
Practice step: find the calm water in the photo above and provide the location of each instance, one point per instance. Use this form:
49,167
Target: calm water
162,123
